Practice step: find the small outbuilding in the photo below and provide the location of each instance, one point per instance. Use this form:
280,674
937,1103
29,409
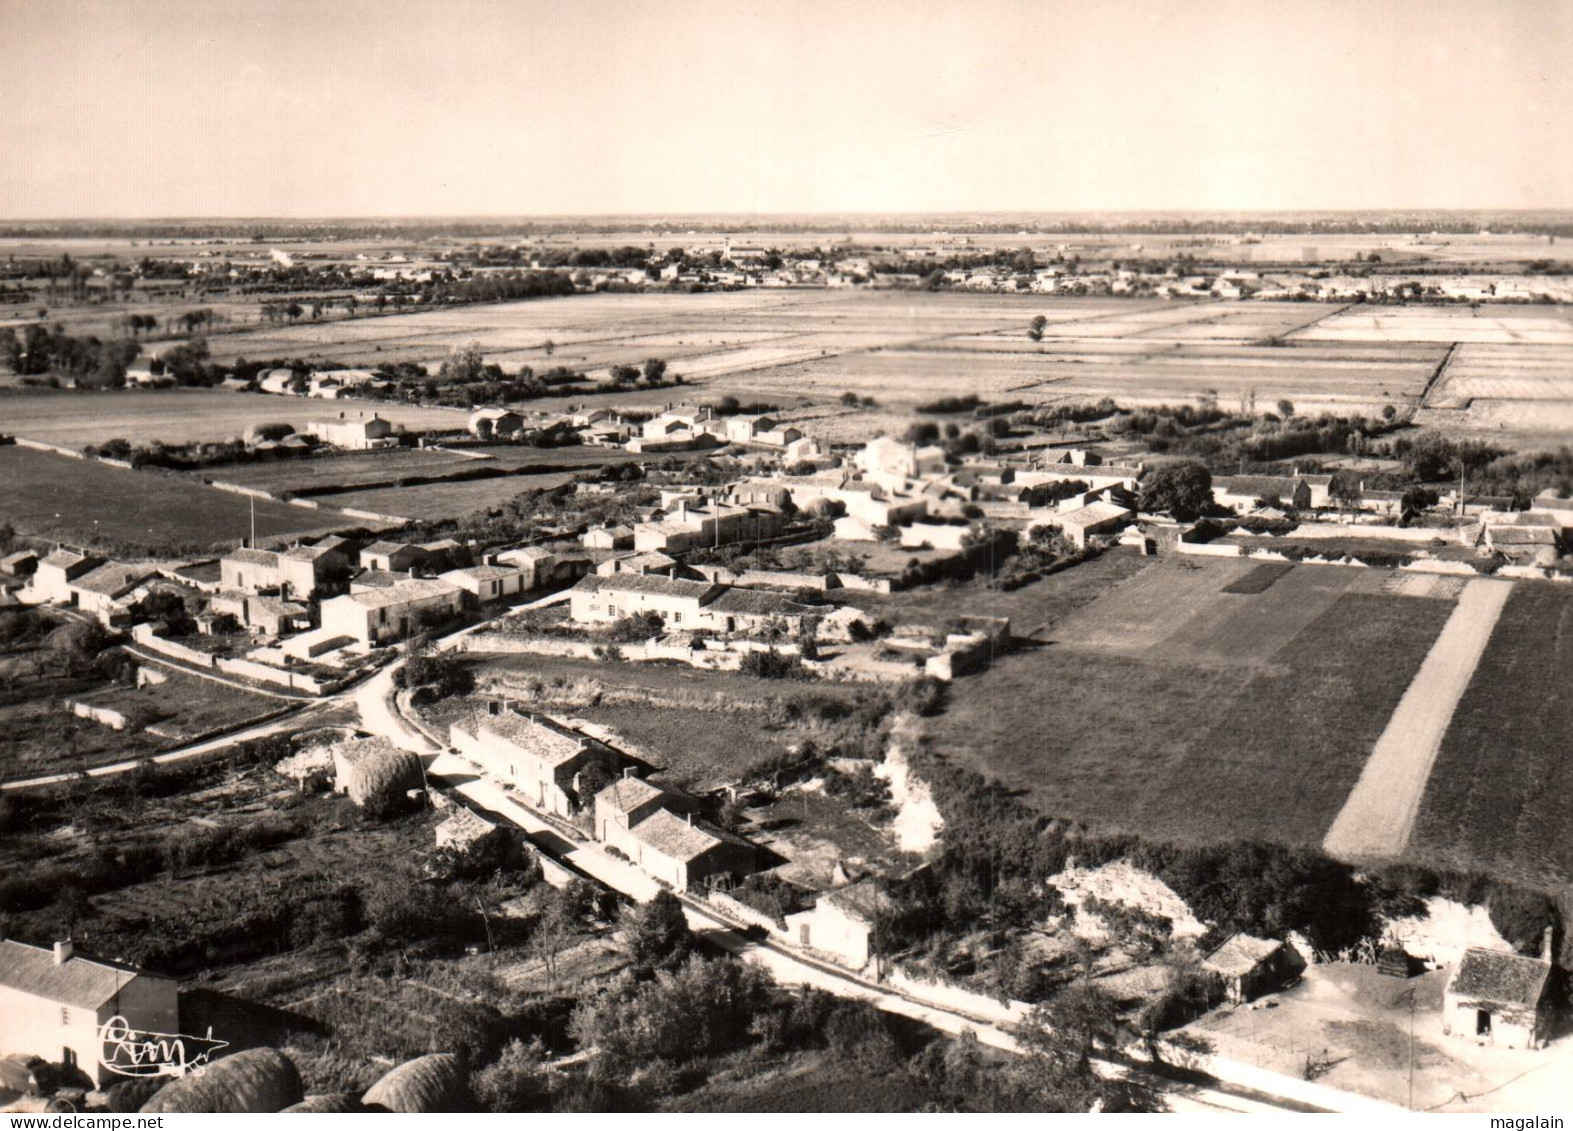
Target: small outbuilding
1248,967
1498,998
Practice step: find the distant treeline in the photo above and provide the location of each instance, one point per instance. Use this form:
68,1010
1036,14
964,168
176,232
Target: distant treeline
1268,223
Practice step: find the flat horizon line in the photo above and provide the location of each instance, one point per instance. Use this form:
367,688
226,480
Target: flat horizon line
527,217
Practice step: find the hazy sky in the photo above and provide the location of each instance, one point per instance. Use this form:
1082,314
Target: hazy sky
252,108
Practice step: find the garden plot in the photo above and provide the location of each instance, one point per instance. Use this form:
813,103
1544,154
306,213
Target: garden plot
1497,798
1123,721
73,419
1380,813
90,503
1493,324
1495,372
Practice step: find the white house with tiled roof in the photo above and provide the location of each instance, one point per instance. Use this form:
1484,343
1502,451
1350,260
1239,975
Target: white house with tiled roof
543,759
376,616
681,852
1496,997
53,1002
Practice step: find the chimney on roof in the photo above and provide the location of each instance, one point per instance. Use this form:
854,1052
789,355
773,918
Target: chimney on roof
1545,944
689,815
63,952
629,772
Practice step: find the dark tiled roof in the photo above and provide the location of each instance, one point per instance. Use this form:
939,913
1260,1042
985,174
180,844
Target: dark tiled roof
1497,976
628,793
254,557
673,836
1240,954
753,603
653,584
81,980
111,580
1258,486
63,559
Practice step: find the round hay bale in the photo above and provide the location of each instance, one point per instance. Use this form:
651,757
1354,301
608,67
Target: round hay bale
339,1103
250,1081
380,780
427,1083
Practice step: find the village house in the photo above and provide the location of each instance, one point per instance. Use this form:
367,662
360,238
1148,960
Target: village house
273,616
888,456
621,806
21,563
598,599
488,582
843,924
1247,967
300,571
1080,525
783,437
109,591
805,449
1297,492
934,535
395,557
358,434
684,854
1523,538
1096,476
495,423
277,381
53,576
55,1003
608,538
689,527
652,561
743,429
543,565
149,373
543,759
377,616
1498,998
684,605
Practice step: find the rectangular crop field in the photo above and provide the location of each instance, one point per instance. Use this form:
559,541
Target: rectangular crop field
76,418
86,502
433,501
1507,325
1499,793
363,470
1246,716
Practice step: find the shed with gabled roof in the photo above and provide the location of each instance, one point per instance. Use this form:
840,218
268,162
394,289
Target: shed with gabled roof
1496,997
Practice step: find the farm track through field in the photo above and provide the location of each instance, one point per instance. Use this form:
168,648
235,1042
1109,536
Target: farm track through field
1322,316
1436,381
1379,815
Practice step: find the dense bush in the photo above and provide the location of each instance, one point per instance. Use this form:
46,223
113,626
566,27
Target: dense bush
770,664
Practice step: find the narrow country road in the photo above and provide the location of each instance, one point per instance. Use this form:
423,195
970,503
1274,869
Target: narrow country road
290,722
1380,812
381,715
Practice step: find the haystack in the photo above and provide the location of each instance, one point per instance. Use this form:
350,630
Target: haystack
373,770
338,1103
425,1084
250,1081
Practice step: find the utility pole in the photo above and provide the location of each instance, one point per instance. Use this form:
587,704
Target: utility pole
253,499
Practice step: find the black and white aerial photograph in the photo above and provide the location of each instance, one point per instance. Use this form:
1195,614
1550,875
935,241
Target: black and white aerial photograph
786,556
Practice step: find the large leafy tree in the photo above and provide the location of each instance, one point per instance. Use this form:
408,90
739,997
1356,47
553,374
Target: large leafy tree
1184,489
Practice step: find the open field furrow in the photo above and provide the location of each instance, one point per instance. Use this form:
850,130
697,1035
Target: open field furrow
1380,813
1497,797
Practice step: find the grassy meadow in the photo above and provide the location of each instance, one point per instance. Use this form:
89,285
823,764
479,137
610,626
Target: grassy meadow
1498,795
1174,709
